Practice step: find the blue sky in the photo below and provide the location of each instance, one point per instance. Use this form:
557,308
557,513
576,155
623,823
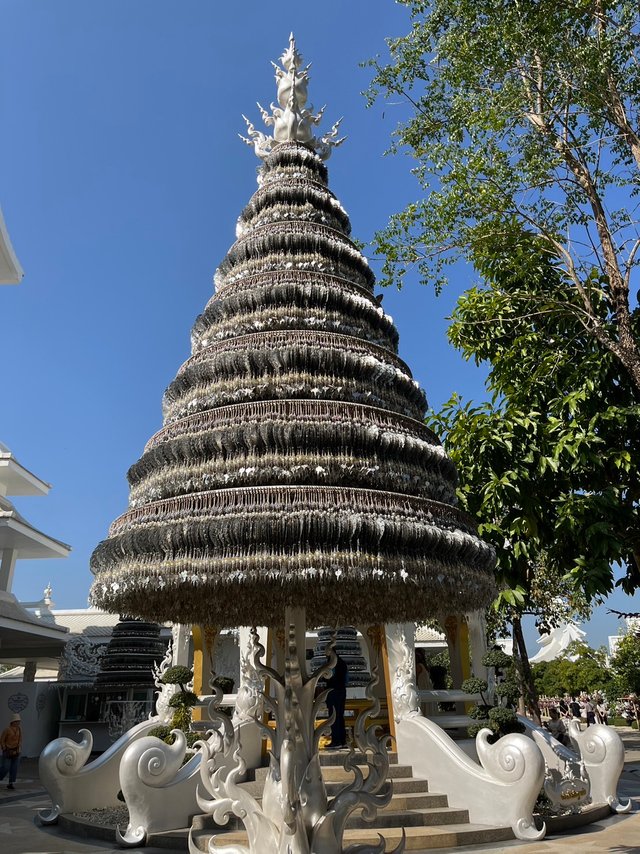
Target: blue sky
121,178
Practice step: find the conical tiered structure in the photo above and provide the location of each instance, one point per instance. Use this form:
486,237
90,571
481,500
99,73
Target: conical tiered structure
133,650
293,466
293,474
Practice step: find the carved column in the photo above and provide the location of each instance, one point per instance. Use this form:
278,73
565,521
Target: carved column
181,635
401,660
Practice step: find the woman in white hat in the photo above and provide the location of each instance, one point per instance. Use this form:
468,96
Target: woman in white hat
11,746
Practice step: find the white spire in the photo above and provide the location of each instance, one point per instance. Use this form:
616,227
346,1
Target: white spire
292,121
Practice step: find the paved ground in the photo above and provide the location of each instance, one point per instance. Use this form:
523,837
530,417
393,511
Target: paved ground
21,834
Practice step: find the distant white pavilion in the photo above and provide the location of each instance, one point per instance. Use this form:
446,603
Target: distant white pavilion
555,644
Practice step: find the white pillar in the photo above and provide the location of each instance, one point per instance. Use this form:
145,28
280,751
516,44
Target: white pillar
7,567
181,635
478,642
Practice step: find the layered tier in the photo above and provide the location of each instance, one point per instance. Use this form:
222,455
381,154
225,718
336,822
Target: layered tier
134,649
347,646
293,466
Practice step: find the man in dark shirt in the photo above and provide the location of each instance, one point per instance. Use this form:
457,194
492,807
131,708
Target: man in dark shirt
574,707
337,685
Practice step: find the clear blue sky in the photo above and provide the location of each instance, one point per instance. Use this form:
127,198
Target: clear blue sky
121,178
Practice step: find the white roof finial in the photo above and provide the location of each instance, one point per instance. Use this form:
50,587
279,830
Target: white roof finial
291,120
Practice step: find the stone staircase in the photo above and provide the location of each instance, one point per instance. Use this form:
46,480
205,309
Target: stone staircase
429,822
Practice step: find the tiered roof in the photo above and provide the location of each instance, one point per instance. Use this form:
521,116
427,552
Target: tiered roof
293,466
16,532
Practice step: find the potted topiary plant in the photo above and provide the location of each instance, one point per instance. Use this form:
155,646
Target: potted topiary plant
498,717
181,702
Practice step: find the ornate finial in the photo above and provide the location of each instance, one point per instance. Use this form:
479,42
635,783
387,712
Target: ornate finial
48,593
292,121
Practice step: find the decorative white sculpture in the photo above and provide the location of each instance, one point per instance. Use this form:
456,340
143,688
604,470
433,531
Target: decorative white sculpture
602,751
165,692
404,688
556,642
160,791
249,700
295,815
586,772
501,790
292,121
80,660
73,783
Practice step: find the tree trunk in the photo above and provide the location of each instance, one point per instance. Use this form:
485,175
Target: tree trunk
528,686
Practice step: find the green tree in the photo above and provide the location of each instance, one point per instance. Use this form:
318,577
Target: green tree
580,670
523,116
547,465
626,665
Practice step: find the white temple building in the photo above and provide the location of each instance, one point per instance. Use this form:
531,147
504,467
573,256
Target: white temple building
555,644
25,640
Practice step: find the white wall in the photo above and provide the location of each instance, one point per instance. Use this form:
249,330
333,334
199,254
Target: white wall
38,704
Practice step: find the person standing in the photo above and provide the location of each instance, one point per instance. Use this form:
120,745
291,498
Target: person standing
11,746
574,708
336,699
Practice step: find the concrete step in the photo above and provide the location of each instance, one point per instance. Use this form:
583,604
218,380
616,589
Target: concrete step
418,838
337,757
416,800
401,786
429,817
337,774
413,808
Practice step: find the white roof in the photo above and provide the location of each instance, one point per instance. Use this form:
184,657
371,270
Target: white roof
425,634
11,272
554,644
88,621
17,534
15,479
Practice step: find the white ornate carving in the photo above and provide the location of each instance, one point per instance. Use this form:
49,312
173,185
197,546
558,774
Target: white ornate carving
122,715
602,751
501,790
566,782
402,664
249,700
75,785
164,712
568,790
80,660
295,815
292,121
595,756
160,792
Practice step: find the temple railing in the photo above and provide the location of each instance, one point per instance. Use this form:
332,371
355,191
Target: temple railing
73,782
586,771
500,789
